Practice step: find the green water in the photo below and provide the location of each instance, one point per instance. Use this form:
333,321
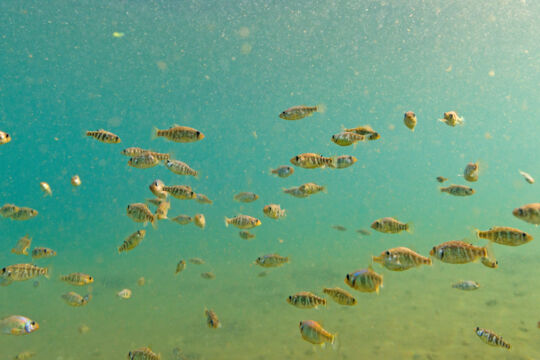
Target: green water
228,69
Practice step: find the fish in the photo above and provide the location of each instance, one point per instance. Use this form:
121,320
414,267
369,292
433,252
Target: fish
365,280
104,136
246,235
156,187
505,236
25,355
132,241
21,248
246,197
17,325
74,299
344,161
4,138
340,296
42,252
181,168
212,319
162,210
296,192
528,178
271,260
181,266
452,119
311,188
24,213
208,275
141,281
471,172
144,161
441,179
144,353
21,272
458,252
77,279
8,210
140,213
283,171
339,228
409,119
136,152
363,232
181,134
345,138
203,199
306,300
182,219
490,338
314,333
199,220
124,294
389,225
46,188
180,192
458,190
299,112
312,161
155,201
490,263
400,259
467,285
244,222
362,130
529,213
196,261
274,211
76,181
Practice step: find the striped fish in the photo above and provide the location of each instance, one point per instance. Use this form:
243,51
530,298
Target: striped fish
312,161
306,300
389,225
104,136
505,236
458,252
181,134
340,296
400,259
364,280
490,338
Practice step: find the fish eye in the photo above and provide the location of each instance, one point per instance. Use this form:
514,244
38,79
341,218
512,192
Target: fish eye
520,211
3,270
7,136
347,277
198,133
33,323
290,297
387,252
90,278
297,158
524,234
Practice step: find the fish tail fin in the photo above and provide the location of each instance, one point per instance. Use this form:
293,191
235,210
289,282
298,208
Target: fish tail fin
48,272
283,213
119,249
332,162
227,221
154,133
410,227
334,341
154,221
321,108
273,171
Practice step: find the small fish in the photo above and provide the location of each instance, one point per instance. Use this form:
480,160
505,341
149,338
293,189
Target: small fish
529,213
141,281
311,188
212,319
400,259
208,275
132,241
451,118
182,219
389,225
271,260
124,294
362,130
144,353
344,161
4,138
181,134
505,236
199,220
409,119
22,246
340,296
203,199
246,235
458,190
296,192
365,280
345,138
76,181
312,161
196,261
42,252
162,210
528,177
25,355
104,136
298,112
24,213
282,171
490,338
181,192
467,285
144,161
77,279
274,211
458,252
181,266
306,300
262,274
8,210
471,172
181,168
490,263
339,228
156,188
244,222
246,197
83,329
155,201
21,272
46,188
136,152
74,299
17,325
314,333
140,213
441,179
363,232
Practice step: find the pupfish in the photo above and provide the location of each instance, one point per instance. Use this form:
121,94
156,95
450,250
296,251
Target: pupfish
306,300
314,333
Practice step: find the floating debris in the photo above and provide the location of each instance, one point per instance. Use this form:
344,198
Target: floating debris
76,181
339,228
46,188
124,294
528,178
467,285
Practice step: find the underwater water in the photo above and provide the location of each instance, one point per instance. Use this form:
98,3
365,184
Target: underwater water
229,69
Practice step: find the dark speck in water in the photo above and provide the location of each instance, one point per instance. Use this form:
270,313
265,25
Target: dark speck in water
36,284
492,302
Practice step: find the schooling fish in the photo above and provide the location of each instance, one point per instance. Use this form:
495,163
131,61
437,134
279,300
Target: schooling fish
181,168
46,188
467,285
73,299
77,279
471,172
400,259
42,252
21,272
283,171
441,179
24,213
181,266
246,235
124,294
246,197
365,280
311,188
181,134
314,333
21,248
180,192
132,241
157,189
203,199
458,190
144,161
458,252
8,210
104,136
528,178
274,211
312,161
162,210
344,161
4,138
199,220
409,119
452,119
17,325
340,296
140,213
212,319
243,222
144,353
505,235
182,219
346,138
296,192
529,213
389,225
490,338
306,300
271,260
299,112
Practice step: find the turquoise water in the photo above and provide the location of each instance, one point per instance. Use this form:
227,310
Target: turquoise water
228,70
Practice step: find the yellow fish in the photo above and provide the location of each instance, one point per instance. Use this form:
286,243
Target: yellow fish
365,280
21,248
132,241
42,252
4,138
314,333
346,138
180,266
74,299
212,319
344,161
140,213
8,210
182,219
505,235
144,353
77,279
471,172
199,220
458,190
282,171
24,213
203,199
400,259
46,188
458,252
157,189
271,260
21,272
340,296
306,300
312,161
299,112
452,119
529,213
274,211
104,136
181,134
181,192
246,235
409,119
490,338
144,161
124,294
18,325
243,222
389,225
246,197
181,168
